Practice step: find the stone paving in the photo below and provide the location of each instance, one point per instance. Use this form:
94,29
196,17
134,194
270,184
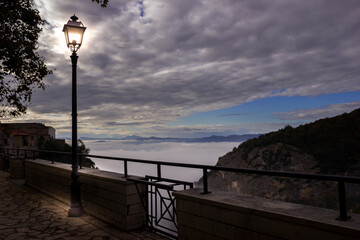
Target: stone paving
28,214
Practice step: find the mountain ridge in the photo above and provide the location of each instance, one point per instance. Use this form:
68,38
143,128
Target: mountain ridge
326,146
213,138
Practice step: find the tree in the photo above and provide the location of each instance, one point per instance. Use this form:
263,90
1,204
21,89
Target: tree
102,2
60,146
22,69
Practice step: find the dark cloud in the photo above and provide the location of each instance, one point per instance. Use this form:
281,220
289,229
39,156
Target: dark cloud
129,123
154,63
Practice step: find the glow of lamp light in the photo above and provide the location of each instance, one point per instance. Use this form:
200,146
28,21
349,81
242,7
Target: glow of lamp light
74,32
74,38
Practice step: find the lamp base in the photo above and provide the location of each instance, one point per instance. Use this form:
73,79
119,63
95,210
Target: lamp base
76,211
76,208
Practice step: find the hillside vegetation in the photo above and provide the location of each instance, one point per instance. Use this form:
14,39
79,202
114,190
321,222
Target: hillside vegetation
326,146
58,146
334,142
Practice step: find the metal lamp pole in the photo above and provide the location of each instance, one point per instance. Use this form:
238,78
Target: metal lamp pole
74,31
76,209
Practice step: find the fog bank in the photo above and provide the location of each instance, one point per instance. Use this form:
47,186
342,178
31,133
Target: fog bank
195,153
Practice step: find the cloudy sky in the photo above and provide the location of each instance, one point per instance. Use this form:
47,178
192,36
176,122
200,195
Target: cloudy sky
190,68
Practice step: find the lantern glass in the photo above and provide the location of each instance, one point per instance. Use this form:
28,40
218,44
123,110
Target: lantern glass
74,32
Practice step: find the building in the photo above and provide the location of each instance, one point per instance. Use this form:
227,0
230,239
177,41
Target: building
28,135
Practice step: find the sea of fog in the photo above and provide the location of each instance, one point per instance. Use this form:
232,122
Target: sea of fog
195,153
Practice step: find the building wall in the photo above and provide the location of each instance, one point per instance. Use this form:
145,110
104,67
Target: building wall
51,132
25,134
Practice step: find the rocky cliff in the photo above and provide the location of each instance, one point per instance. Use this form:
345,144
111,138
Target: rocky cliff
327,146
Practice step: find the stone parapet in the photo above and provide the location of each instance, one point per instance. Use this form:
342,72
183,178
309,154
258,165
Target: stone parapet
17,167
3,162
105,195
222,215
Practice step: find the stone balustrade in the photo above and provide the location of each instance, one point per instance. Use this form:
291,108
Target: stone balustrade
105,195
218,215
222,215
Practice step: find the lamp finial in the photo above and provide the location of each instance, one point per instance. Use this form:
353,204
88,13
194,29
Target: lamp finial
74,18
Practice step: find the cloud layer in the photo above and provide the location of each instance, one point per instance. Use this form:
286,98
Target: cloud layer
144,64
316,113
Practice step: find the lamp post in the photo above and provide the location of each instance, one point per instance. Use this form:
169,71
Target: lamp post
74,32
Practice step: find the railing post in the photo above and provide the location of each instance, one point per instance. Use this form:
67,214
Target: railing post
342,202
34,154
17,152
158,170
125,168
7,162
205,181
80,161
25,153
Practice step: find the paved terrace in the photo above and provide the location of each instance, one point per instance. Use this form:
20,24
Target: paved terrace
28,214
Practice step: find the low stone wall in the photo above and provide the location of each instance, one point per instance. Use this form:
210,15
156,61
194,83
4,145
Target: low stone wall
17,167
105,195
2,162
222,215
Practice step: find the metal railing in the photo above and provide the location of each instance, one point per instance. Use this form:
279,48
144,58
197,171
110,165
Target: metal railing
5,158
341,180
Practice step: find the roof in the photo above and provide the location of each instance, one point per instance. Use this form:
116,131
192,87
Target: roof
15,133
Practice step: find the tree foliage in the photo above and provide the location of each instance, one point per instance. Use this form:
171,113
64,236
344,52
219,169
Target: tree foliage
334,142
58,146
22,69
103,3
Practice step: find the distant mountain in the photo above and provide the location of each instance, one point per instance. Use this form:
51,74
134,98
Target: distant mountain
90,138
230,138
132,137
214,138
327,146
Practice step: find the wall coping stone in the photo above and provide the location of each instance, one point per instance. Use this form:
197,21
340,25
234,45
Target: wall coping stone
100,174
111,197
306,215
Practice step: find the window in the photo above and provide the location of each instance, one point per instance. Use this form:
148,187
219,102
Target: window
25,143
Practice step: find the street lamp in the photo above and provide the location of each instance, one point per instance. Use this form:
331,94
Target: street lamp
74,32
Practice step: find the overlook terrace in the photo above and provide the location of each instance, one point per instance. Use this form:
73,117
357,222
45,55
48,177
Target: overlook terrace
29,214
224,210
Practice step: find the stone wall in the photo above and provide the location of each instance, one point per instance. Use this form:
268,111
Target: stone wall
222,215
3,163
16,167
105,195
